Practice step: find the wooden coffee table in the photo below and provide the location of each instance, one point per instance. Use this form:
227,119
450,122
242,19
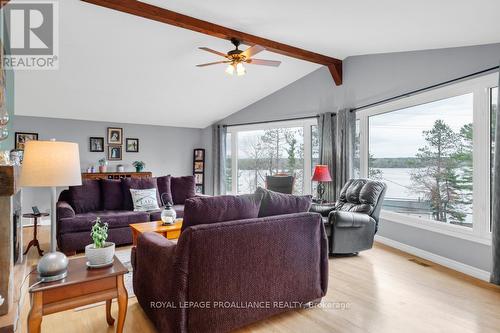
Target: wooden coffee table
170,231
81,287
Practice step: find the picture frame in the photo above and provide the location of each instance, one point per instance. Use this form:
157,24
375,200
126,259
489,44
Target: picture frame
96,144
199,189
115,135
115,153
132,145
199,154
22,137
199,166
198,178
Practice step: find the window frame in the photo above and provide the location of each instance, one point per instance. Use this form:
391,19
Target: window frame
480,88
304,123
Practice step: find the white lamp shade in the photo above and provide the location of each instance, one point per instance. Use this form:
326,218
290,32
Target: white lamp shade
50,164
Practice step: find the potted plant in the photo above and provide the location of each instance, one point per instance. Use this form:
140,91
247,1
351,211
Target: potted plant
103,163
139,165
100,252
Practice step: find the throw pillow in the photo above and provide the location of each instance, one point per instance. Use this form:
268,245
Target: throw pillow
274,203
144,200
182,188
136,184
204,210
164,189
112,195
86,197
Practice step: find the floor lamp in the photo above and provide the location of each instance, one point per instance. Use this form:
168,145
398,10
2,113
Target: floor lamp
51,164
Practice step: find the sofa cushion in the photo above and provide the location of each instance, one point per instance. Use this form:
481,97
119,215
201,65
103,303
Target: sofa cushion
112,195
86,197
164,189
156,214
115,219
136,184
274,203
205,210
182,188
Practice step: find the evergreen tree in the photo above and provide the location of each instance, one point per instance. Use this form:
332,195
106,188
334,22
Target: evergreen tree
437,179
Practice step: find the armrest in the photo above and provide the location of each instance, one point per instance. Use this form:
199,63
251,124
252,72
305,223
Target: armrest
64,210
341,219
323,209
153,258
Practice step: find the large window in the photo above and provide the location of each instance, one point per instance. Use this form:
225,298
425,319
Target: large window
493,117
271,149
429,150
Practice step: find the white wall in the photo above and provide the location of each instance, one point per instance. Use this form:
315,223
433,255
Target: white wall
165,150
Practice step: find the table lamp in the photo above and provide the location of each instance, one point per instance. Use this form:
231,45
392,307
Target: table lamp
321,174
51,164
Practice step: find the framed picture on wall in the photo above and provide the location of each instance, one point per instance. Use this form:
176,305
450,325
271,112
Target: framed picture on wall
114,153
115,135
21,138
96,144
132,145
199,154
198,166
199,189
199,178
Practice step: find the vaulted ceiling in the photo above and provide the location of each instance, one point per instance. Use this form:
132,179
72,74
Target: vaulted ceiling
122,68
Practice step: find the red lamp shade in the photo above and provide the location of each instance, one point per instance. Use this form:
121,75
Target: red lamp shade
321,174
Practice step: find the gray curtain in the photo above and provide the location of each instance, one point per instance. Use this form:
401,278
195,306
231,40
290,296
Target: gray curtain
336,134
346,127
495,202
326,128
219,158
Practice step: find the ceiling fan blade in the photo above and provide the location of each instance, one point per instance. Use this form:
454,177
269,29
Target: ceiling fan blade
213,51
273,63
251,51
213,63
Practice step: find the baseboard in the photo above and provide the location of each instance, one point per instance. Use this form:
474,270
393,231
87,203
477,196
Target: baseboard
443,261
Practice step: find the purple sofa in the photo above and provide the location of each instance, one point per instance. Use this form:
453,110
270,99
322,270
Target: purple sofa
79,206
224,275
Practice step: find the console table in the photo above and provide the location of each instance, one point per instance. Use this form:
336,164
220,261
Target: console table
82,286
115,175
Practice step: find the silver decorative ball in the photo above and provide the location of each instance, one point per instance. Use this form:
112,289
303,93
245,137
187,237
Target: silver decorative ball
53,266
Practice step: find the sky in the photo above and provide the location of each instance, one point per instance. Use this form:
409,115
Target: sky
399,133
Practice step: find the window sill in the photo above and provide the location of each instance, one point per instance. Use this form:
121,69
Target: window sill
445,229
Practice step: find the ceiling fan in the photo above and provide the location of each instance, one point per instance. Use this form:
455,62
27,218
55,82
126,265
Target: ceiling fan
235,58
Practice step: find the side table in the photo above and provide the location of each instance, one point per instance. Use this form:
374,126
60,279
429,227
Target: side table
34,241
81,287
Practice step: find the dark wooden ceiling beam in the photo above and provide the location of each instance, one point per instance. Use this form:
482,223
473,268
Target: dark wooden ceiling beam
187,22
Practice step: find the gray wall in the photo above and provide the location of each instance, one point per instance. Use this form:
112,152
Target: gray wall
371,78
165,150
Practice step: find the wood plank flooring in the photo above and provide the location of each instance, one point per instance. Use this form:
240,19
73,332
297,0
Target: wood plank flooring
384,292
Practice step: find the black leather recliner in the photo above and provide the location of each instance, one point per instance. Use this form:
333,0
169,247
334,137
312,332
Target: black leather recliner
353,221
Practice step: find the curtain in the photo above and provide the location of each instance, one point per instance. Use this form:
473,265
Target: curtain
326,127
346,126
495,202
336,133
219,158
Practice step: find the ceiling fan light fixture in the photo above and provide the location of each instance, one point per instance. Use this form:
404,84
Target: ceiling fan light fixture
230,69
240,69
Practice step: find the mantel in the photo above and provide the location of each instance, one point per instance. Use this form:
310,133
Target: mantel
9,180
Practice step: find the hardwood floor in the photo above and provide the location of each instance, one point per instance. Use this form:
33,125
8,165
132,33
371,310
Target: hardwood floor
384,292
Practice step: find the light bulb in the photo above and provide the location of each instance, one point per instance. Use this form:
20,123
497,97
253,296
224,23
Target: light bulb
230,69
240,70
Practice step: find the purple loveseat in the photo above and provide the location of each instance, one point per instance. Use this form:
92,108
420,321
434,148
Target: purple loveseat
110,200
224,275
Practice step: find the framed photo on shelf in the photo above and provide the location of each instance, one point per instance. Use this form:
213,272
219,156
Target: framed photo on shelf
115,135
96,144
114,153
199,154
132,145
21,138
